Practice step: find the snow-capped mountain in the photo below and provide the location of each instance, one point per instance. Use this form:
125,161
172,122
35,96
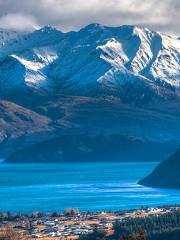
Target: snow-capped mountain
101,91
96,58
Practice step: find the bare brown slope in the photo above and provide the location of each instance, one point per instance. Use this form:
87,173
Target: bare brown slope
17,123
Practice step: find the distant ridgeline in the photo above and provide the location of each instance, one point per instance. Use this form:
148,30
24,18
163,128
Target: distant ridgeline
98,94
166,175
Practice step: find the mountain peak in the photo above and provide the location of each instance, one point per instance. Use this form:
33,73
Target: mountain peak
94,26
115,55
48,29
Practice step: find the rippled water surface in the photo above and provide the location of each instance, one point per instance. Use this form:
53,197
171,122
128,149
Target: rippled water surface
87,186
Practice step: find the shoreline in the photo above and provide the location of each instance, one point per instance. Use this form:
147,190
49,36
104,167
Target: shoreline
73,223
48,213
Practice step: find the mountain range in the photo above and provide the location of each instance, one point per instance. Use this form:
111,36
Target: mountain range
109,93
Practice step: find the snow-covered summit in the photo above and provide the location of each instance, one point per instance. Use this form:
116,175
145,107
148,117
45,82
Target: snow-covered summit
95,57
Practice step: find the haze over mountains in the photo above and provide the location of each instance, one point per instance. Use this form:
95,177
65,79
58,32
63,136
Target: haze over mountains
99,86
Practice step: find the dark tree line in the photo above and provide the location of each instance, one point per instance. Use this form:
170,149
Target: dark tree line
156,227
163,227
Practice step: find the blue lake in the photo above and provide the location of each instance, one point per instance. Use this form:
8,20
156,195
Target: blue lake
87,186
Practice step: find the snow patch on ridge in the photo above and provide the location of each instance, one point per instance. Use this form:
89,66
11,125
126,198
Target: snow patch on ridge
81,60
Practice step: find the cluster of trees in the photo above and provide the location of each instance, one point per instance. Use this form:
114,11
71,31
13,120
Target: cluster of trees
121,232
163,227
95,235
101,235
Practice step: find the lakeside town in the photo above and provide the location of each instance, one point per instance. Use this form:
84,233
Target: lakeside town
72,223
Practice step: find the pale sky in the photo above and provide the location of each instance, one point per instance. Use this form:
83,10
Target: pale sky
160,15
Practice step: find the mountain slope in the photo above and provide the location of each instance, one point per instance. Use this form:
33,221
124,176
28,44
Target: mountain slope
25,58
20,127
166,175
84,128
94,59
100,81
6,36
91,148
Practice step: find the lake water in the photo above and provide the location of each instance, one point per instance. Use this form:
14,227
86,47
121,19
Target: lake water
87,186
